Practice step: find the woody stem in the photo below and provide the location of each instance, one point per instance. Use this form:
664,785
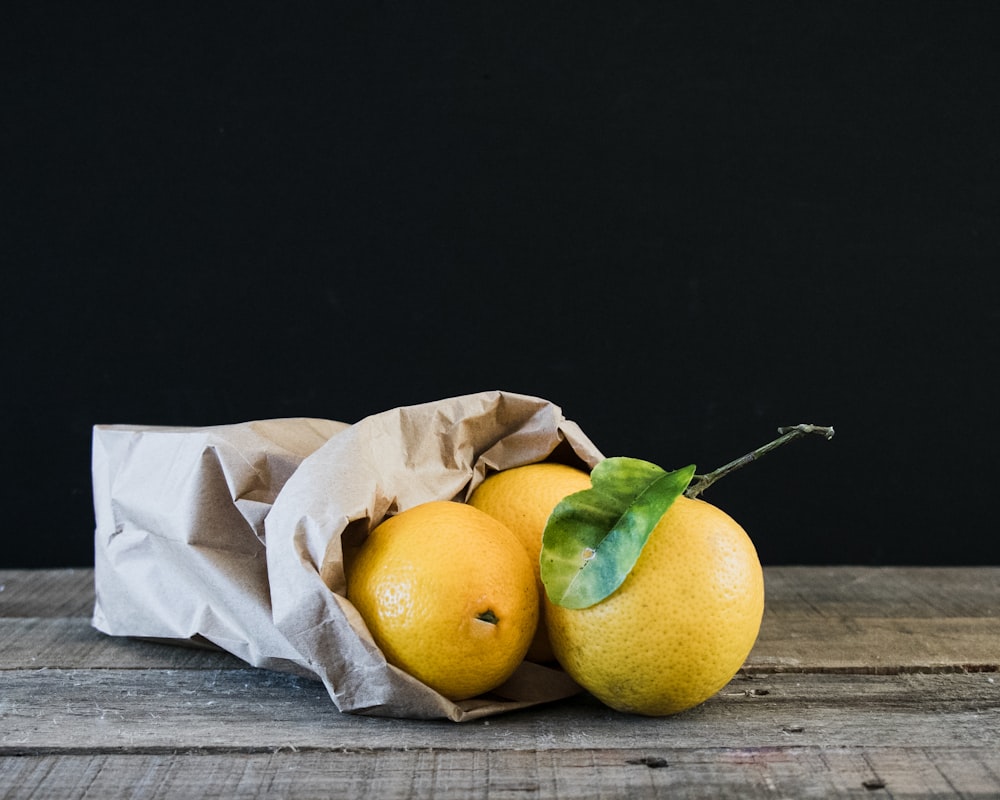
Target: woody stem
701,482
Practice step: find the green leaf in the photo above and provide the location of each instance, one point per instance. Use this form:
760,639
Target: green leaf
594,537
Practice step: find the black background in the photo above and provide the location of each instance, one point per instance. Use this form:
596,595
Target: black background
683,225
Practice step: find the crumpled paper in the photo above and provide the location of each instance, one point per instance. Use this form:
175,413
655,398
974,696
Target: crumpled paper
233,536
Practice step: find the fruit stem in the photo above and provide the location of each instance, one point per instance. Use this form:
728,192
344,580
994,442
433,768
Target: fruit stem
701,482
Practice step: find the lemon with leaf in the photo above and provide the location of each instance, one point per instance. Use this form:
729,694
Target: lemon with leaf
654,598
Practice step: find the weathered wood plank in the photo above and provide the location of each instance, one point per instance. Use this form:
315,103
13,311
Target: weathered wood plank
876,645
890,592
84,715
924,592
879,620
838,619
71,643
752,772
191,709
861,645
46,592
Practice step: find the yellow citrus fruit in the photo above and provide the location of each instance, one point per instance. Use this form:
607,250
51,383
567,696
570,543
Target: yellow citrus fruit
522,498
681,624
449,596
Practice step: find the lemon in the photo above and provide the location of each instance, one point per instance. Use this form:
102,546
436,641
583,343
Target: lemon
522,498
680,625
449,596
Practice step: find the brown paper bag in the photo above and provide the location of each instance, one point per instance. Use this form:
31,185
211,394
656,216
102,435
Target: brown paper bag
233,535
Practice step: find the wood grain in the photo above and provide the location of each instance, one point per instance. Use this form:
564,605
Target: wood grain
888,592
68,643
46,592
879,620
869,682
824,592
468,774
191,709
816,620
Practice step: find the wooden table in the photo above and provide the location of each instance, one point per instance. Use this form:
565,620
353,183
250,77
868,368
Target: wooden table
867,682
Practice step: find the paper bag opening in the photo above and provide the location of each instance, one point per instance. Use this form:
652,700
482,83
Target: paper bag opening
235,534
